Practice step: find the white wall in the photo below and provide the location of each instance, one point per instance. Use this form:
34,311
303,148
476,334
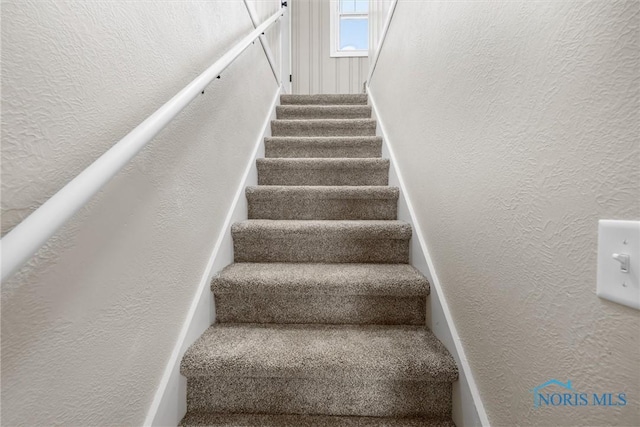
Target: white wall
89,324
378,12
314,71
515,126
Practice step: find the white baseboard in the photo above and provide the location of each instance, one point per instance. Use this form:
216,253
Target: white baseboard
468,409
169,404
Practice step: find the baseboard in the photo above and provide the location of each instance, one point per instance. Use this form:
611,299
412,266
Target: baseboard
468,409
169,404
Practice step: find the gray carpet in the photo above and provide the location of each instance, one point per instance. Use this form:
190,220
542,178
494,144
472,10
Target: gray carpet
351,99
323,147
324,127
323,111
194,419
332,171
366,352
330,279
320,320
322,202
319,396
383,294
260,240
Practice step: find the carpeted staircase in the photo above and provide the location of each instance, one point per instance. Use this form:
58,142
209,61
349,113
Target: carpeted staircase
320,320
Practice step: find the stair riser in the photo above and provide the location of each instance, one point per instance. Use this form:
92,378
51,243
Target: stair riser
319,396
293,248
311,128
353,99
300,149
302,113
330,209
268,175
209,419
333,309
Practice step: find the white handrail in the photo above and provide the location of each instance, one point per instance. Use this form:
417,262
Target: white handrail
383,36
27,237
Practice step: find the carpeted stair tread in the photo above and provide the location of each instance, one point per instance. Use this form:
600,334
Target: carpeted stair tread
293,112
312,278
327,171
383,294
322,202
313,147
328,99
367,230
311,164
325,192
324,127
208,419
328,241
358,352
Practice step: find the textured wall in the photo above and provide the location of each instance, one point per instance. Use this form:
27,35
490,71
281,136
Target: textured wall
89,324
314,71
516,128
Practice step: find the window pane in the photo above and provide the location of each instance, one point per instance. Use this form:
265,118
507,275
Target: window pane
354,6
347,6
354,34
362,6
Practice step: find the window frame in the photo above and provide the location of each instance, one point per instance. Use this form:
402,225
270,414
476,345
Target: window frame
334,32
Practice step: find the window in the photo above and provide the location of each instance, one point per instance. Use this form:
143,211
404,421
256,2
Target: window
349,28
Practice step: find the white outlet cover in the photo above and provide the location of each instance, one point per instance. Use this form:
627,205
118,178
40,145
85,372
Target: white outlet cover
619,237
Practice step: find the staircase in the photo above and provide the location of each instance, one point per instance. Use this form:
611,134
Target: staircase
320,320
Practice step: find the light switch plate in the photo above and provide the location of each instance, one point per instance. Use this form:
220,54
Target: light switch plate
621,238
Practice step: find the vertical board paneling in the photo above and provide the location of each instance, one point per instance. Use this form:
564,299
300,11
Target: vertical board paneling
343,75
364,72
295,45
328,83
314,71
354,86
310,27
317,34
301,56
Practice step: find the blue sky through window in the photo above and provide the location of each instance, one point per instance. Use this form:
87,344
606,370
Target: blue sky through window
354,6
354,34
